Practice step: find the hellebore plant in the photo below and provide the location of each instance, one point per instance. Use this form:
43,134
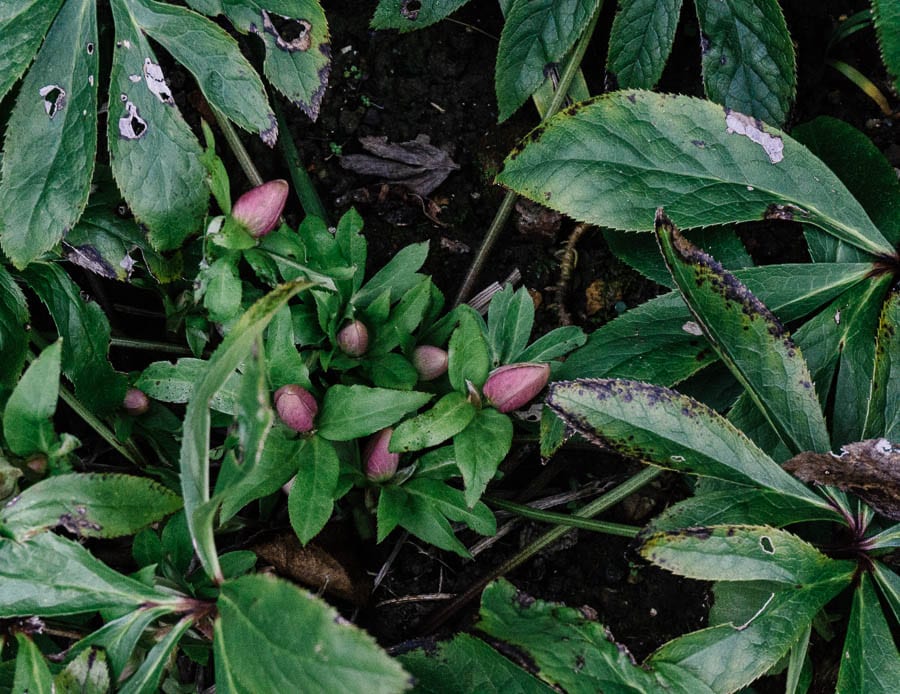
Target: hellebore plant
296,407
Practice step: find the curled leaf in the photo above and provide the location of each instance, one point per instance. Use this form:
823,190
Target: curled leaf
416,164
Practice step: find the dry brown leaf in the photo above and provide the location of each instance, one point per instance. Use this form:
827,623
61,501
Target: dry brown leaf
417,164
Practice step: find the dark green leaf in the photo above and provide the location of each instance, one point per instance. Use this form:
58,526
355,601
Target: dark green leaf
311,499
13,340
156,662
195,445
284,364
349,412
883,415
509,321
418,515
51,137
297,63
52,576
449,416
32,674
870,660
27,425
406,15
169,382
86,674
89,505
86,335
403,320
154,155
391,370
641,40
399,275
886,17
889,583
270,636
667,429
450,503
222,290
480,448
750,340
468,352
23,26
557,343
467,664
748,58
225,77
536,33
703,165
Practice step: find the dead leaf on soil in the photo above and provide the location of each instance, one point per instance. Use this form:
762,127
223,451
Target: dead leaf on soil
417,164
870,469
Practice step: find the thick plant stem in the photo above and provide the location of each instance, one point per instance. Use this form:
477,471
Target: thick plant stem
598,505
303,185
237,147
564,519
149,345
509,200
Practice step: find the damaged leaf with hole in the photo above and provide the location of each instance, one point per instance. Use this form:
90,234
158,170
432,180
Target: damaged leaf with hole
54,99
131,125
290,34
156,82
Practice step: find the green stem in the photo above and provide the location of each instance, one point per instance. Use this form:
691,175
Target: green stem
303,185
509,200
237,147
597,506
564,519
149,345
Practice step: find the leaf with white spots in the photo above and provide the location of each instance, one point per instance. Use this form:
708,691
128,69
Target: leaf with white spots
51,139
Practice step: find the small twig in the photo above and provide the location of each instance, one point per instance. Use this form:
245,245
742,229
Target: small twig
379,577
566,268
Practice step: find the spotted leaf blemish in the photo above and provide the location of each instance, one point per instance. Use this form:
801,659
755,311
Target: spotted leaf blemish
291,35
156,82
90,48
54,97
691,328
131,125
765,542
410,9
752,128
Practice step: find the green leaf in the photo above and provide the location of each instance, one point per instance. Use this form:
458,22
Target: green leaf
418,515
13,340
298,51
255,415
52,576
449,416
701,165
469,359
730,656
480,448
536,33
270,636
889,583
557,343
467,664
32,674
154,155
27,417
169,382
349,412
224,75
86,335
51,138
23,26
403,320
509,321
397,14
641,40
883,413
89,505
748,58
86,674
311,499
450,503
156,662
284,365
571,652
871,661
222,290
750,340
391,370
399,275
195,445
665,428
886,17
742,553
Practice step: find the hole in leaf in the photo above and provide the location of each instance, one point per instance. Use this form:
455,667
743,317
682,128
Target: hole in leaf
131,125
290,34
54,99
766,543
410,9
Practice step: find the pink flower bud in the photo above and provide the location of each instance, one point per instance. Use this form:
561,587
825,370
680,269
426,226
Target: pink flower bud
430,361
379,462
296,407
136,402
353,339
259,209
514,385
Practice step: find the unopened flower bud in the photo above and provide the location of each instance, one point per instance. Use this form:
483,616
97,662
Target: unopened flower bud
136,402
514,385
37,463
353,339
380,463
430,361
259,209
296,407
